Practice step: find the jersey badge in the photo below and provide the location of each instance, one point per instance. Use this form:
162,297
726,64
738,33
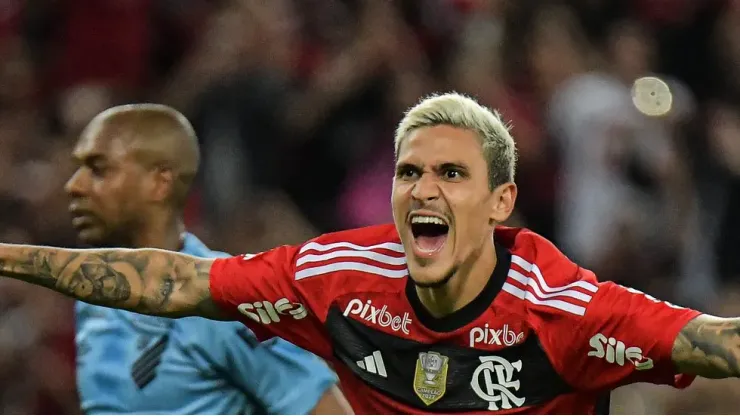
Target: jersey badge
499,384
430,378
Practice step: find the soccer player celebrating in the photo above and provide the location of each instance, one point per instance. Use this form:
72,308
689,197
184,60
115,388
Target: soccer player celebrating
136,164
444,312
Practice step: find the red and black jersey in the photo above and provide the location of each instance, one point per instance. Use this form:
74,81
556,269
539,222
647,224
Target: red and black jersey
544,336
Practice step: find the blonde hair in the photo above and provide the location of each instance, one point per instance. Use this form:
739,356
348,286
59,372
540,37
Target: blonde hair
463,112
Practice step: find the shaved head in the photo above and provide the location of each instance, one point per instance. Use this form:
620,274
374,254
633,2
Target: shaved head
136,164
156,136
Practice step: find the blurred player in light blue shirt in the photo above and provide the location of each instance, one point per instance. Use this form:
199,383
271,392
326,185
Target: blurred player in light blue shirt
136,164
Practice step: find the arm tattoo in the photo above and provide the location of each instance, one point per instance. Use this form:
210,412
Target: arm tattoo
149,281
709,347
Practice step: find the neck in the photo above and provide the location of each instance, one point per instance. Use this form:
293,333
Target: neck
165,235
464,285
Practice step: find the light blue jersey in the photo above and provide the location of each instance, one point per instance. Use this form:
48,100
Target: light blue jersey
131,363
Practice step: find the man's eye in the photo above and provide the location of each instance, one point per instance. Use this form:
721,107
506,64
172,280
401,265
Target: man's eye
97,170
452,174
407,173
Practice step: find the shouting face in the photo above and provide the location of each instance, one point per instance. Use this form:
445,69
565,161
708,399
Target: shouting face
443,206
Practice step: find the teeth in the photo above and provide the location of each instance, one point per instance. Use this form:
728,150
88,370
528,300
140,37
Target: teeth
427,220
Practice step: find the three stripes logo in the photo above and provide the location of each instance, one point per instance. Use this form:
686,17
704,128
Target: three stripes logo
144,370
373,364
525,281
385,259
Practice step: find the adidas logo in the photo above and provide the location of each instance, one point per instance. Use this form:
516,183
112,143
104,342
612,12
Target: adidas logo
373,364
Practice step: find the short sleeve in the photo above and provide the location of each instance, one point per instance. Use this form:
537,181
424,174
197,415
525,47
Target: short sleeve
624,336
259,290
275,375
292,380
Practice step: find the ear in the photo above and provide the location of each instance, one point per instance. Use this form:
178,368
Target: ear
503,199
162,185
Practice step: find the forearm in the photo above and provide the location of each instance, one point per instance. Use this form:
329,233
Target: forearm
709,346
333,402
149,281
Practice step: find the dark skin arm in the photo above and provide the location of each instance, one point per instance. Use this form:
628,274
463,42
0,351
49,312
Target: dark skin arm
709,346
333,402
147,281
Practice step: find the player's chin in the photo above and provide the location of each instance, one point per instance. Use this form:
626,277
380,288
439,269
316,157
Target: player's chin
429,275
91,235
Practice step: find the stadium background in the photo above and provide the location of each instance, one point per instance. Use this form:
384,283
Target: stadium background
295,103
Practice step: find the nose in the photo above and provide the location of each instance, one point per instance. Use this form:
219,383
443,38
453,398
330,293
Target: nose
425,189
75,186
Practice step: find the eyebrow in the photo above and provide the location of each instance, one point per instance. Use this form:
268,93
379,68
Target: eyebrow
406,165
452,165
437,168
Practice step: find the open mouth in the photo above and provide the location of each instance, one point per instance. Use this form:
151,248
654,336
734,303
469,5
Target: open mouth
430,233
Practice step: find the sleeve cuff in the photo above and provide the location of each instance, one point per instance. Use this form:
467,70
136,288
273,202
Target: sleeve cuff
666,348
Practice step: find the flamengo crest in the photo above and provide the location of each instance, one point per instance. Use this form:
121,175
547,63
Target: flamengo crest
494,381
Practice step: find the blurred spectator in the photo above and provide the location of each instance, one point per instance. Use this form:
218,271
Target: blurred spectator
622,171
724,137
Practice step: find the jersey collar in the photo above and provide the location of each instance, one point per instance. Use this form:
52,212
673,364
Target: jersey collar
472,310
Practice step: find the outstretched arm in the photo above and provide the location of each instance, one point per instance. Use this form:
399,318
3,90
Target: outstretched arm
709,346
148,281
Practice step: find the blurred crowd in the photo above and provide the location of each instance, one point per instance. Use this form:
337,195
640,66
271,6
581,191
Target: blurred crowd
295,103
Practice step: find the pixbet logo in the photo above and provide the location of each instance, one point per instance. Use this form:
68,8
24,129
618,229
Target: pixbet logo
615,352
378,316
490,336
267,313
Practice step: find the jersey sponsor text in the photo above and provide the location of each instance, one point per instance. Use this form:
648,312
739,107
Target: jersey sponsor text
490,336
615,352
265,312
379,316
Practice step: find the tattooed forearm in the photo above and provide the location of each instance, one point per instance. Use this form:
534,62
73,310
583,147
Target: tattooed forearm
149,281
709,347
